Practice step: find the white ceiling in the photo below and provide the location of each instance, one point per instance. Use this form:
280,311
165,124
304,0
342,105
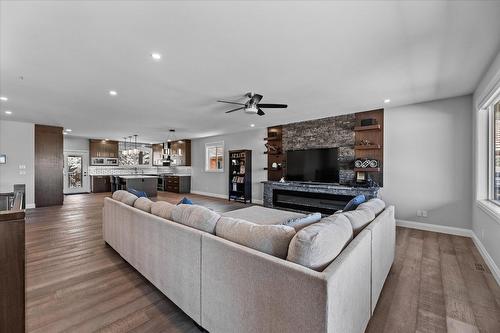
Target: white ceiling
321,58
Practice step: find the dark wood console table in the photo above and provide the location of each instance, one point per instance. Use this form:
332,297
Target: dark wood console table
12,271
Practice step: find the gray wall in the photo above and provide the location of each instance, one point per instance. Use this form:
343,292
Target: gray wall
17,141
427,155
75,143
217,183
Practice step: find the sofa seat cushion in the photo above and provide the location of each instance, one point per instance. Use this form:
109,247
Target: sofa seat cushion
270,239
143,204
162,209
301,222
262,215
125,197
317,245
195,216
359,218
376,204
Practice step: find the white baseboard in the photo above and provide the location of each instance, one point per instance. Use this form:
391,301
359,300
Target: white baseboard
208,194
223,196
495,270
434,227
487,258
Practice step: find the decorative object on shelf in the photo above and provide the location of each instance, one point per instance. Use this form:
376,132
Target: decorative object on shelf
3,159
271,149
240,175
366,163
282,179
360,177
364,142
368,122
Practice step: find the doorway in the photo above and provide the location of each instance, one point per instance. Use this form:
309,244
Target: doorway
76,176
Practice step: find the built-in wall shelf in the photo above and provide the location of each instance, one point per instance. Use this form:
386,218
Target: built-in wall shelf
275,155
368,147
376,127
367,169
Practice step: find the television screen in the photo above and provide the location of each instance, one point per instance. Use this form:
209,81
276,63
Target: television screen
315,165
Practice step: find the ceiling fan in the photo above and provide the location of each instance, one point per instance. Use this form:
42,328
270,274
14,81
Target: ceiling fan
253,105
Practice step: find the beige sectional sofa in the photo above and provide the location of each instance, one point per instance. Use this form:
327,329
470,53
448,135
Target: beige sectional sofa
233,273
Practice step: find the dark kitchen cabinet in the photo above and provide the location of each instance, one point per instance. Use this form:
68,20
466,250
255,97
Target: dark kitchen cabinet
101,184
177,184
103,148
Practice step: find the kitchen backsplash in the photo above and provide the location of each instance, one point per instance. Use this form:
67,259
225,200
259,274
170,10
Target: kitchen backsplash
147,170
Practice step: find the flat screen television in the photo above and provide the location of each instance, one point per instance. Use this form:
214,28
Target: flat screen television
313,165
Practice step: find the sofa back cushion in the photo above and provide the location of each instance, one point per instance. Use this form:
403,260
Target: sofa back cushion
195,216
301,222
125,197
143,204
317,245
162,209
270,239
376,204
359,218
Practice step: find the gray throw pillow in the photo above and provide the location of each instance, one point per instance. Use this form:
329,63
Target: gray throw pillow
300,222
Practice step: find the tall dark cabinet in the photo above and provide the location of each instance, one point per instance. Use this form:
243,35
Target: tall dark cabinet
48,166
240,175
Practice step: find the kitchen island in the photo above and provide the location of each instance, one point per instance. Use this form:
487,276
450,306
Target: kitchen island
143,183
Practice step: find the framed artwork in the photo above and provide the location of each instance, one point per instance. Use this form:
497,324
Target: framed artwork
3,159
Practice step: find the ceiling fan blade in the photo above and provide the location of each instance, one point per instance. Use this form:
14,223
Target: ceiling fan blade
231,102
260,112
235,109
272,106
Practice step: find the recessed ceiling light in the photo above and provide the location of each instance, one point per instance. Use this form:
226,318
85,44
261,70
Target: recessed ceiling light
69,130
252,125
156,56
3,98
387,100
8,112
113,93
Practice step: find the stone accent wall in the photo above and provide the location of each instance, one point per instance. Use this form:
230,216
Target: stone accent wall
332,132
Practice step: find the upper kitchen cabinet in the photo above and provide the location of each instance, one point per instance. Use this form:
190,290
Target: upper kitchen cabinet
157,154
103,148
181,152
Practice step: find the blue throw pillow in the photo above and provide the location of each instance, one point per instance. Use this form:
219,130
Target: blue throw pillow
138,194
185,201
354,203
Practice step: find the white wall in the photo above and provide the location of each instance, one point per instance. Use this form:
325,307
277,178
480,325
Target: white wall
427,161
75,143
484,225
17,141
217,183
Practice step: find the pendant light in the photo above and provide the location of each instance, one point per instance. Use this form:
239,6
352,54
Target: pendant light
169,145
136,151
124,151
130,151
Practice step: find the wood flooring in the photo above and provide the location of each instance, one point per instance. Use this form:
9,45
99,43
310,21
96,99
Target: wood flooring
75,283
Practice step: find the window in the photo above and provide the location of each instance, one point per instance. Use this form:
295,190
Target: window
214,157
495,152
